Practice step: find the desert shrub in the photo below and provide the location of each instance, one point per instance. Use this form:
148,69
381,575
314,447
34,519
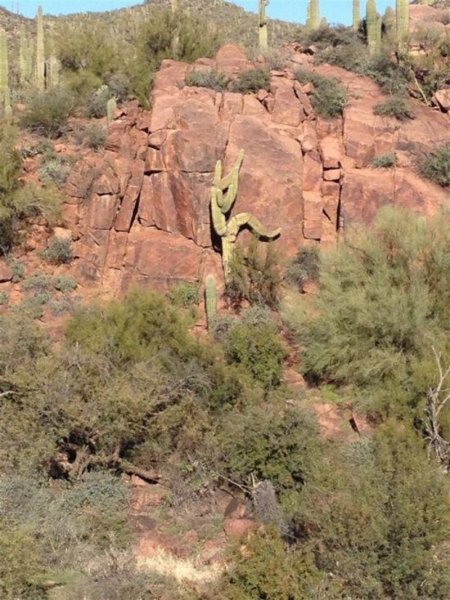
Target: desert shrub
329,97
10,163
32,201
272,442
384,161
212,79
269,570
65,283
330,36
64,530
252,81
185,295
394,107
96,106
380,303
254,276
58,252
95,136
17,268
119,84
436,166
258,349
56,170
86,49
353,56
62,306
304,267
376,516
392,76
4,298
47,112
39,282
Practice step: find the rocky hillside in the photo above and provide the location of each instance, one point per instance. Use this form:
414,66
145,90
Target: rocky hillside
139,211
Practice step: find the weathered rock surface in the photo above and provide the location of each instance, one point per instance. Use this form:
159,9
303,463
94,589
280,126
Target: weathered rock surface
140,211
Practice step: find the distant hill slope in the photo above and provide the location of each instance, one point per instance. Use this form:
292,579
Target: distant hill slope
233,22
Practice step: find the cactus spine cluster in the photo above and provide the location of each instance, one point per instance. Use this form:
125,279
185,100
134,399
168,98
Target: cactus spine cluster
211,300
40,50
402,13
313,18
373,23
356,14
263,35
223,196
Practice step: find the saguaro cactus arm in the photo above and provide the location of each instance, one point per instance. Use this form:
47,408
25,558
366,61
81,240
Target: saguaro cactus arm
246,219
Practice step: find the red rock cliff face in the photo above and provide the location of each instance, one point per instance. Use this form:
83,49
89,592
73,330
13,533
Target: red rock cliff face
140,212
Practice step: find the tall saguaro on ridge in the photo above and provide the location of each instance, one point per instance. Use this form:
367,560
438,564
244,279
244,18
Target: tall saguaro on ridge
402,14
262,31
356,14
373,23
313,19
40,50
4,64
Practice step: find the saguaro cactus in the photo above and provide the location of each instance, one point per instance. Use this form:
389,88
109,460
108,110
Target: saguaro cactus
356,14
389,23
221,205
111,107
373,24
402,14
40,50
210,300
313,20
4,64
25,57
263,35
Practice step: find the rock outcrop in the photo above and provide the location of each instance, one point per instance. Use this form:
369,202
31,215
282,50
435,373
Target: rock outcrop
140,212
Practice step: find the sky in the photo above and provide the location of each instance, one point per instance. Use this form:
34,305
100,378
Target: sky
336,11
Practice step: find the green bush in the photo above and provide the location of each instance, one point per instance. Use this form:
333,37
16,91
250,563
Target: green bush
375,514
95,136
394,107
304,267
254,276
33,201
185,295
329,98
38,282
392,76
384,161
380,304
96,106
212,79
10,163
58,252
46,112
258,349
269,570
252,81
56,170
436,166
270,441
55,533
65,284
